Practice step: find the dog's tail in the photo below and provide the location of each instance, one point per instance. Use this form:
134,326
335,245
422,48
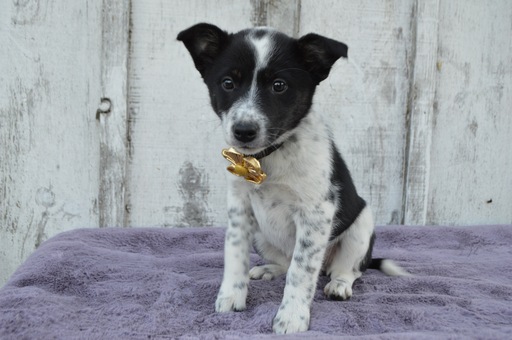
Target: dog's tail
388,267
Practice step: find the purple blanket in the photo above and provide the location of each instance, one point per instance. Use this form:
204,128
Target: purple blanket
162,283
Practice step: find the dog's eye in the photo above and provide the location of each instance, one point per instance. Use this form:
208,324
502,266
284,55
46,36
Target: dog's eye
279,86
228,84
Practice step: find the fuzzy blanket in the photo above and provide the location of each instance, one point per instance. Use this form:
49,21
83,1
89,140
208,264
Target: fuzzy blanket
162,284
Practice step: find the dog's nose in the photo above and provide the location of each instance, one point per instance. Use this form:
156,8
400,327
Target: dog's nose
246,131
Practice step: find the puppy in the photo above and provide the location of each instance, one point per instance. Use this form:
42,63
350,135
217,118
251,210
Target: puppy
306,215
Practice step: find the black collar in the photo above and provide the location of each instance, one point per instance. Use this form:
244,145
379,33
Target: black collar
266,152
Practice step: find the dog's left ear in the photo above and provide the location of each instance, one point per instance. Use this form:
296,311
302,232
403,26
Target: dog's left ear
320,53
204,42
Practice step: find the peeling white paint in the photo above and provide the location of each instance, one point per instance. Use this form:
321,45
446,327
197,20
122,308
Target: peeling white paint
49,146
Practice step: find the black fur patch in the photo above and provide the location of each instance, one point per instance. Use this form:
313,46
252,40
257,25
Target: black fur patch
349,204
367,261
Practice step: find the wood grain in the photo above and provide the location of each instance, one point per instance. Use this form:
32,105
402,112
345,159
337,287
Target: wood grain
470,177
112,115
422,66
49,148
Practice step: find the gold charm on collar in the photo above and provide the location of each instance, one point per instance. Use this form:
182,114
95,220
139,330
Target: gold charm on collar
244,166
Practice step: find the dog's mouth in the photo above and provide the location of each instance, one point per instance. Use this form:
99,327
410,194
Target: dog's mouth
249,150
259,152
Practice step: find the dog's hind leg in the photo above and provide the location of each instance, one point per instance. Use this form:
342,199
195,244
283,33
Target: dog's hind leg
349,255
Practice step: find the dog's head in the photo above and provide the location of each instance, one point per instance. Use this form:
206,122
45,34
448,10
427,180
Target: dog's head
261,82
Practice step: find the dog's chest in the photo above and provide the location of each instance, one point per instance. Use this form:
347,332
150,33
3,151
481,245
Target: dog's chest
273,209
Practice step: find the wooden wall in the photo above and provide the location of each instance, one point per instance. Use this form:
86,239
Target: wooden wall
105,122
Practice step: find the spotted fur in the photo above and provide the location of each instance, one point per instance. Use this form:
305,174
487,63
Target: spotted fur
307,216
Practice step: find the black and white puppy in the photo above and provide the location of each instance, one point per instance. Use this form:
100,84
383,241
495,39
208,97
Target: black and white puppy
307,216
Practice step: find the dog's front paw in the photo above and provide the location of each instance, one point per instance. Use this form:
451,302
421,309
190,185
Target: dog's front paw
234,300
338,289
290,319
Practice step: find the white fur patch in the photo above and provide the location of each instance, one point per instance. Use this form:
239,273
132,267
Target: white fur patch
263,45
353,246
263,48
390,268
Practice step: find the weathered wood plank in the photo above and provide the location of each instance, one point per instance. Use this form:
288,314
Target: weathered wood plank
177,174
470,177
112,113
283,15
365,97
420,110
49,91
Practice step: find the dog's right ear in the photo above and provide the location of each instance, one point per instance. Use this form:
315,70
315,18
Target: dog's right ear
204,42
